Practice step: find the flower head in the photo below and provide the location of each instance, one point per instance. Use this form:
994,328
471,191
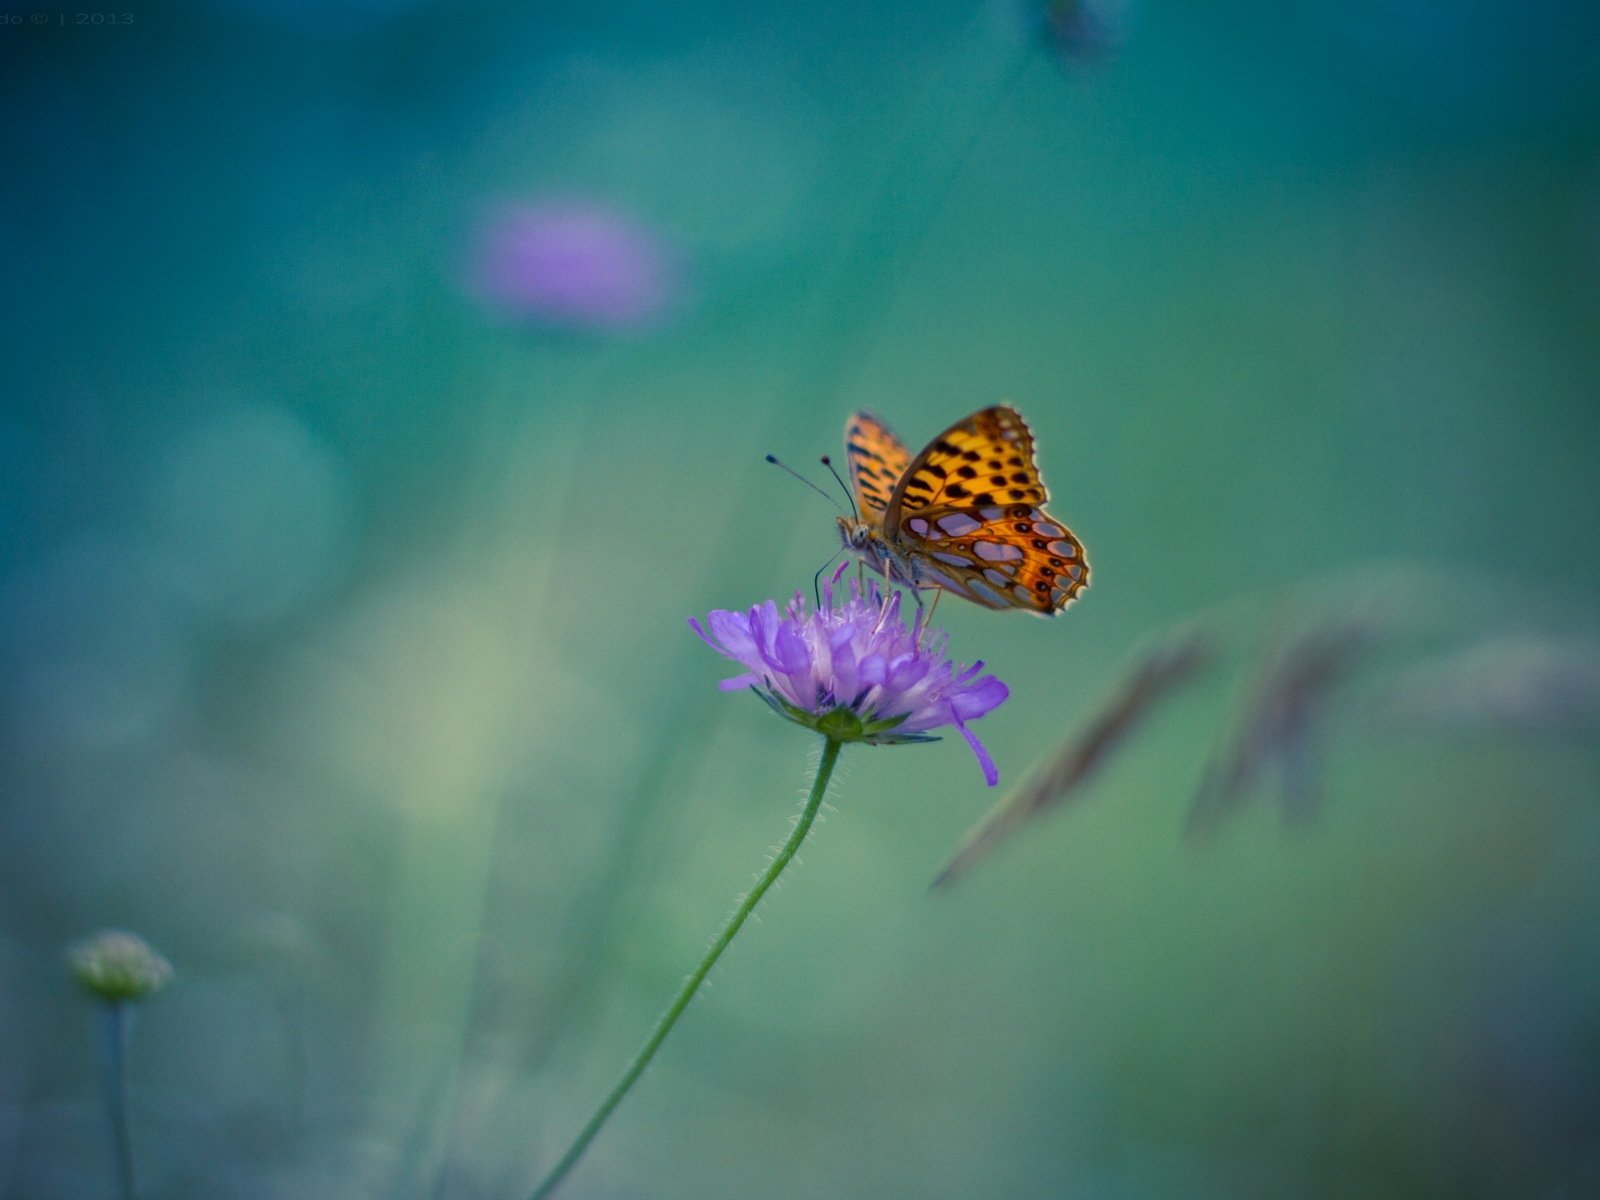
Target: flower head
114,965
853,670
572,266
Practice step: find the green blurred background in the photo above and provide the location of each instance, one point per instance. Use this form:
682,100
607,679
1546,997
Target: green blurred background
342,642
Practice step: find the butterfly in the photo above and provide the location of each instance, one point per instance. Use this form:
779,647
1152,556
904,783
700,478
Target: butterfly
964,516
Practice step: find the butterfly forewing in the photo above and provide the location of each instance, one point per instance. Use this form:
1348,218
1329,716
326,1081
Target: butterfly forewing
878,461
982,461
967,516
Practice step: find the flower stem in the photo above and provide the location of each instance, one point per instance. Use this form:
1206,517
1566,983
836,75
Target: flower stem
830,754
114,1017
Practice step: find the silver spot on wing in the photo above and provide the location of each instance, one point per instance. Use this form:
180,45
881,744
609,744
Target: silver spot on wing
987,594
997,551
956,524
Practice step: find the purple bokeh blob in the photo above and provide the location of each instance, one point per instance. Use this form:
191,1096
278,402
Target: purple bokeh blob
573,266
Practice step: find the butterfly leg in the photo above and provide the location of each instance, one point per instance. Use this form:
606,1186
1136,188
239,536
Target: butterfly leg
925,613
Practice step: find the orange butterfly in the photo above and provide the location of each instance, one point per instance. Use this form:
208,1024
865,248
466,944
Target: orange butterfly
963,516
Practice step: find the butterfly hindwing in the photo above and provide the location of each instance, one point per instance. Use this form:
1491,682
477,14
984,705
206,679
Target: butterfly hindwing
877,461
1014,556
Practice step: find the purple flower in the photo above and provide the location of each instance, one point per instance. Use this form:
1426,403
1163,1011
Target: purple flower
572,266
853,670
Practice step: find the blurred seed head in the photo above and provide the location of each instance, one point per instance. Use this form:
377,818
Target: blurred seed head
1282,726
1153,676
1517,684
116,965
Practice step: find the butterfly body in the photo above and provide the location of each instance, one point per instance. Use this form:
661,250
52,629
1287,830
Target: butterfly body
965,516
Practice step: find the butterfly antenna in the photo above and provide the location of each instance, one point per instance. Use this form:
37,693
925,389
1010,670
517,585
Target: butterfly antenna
848,495
783,466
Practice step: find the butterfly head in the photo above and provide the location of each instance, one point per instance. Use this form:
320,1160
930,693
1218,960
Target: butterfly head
861,538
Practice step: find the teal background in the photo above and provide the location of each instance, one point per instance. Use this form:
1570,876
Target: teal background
343,650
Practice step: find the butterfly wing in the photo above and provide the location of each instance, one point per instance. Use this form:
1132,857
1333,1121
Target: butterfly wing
877,461
980,462
968,513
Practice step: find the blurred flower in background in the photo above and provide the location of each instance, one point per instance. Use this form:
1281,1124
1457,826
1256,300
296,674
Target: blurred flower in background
572,266
118,969
116,965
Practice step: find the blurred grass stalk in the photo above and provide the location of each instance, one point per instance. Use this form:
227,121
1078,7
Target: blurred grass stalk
447,858
114,1019
1153,677
1281,723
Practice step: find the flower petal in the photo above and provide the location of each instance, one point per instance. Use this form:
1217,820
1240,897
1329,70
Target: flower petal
984,696
790,653
906,670
991,773
732,635
969,672
872,670
764,622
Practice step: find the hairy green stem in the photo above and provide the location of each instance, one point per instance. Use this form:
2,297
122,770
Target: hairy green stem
802,826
